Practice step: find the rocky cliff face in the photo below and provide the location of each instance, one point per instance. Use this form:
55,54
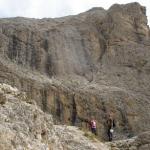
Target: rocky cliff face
25,126
81,66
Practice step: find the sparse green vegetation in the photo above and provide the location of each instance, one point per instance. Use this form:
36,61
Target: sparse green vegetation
141,63
89,135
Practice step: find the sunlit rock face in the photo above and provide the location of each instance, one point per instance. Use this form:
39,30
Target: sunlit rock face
80,66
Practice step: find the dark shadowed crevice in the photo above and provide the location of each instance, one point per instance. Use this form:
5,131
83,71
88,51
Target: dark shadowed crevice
50,66
103,45
59,109
44,100
12,49
33,57
44,45
74,111
15,49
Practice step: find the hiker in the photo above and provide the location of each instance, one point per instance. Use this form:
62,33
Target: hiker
93,126
110,126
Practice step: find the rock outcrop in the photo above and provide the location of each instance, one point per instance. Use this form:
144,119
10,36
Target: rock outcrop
141,142
80,66
25,126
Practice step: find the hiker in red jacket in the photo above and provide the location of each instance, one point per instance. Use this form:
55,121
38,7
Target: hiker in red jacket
93,126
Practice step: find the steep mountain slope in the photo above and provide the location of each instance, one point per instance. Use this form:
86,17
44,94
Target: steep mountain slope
81,66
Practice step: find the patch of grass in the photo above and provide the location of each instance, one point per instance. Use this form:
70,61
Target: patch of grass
141,63
89,135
